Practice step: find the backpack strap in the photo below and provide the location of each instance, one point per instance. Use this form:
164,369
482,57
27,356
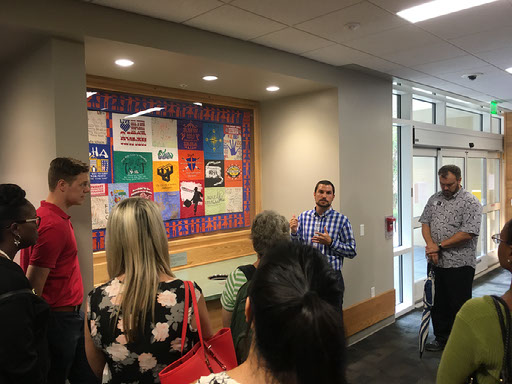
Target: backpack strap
248,270
17,292
506,369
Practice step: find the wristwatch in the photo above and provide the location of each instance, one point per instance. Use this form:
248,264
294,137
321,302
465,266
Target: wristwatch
439,245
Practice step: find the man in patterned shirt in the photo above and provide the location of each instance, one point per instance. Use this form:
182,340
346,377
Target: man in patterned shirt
450,226
325,229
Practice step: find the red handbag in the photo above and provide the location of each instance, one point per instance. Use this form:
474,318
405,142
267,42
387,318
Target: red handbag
207,356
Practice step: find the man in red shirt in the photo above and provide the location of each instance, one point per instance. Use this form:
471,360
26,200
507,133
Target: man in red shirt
53,270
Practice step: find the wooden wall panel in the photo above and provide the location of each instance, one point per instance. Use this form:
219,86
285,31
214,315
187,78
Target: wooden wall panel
362,315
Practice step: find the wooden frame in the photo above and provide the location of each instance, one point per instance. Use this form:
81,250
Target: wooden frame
221,245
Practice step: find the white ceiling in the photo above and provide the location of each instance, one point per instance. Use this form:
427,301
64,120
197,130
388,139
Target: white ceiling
434,52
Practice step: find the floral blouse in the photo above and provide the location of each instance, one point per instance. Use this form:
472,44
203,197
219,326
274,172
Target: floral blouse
156,347
217,378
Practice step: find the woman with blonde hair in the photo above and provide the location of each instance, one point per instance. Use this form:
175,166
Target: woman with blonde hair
134,321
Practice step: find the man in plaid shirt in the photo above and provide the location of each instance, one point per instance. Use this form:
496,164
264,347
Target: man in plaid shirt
325,229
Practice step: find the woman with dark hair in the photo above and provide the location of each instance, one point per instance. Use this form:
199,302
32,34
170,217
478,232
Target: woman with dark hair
23,345
294,308
475,346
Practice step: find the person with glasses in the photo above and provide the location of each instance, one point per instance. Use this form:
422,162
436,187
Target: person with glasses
475,346
52,268
450,227
24,316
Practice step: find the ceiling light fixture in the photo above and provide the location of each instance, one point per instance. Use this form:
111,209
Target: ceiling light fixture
124,62
145,112
210,78
438,8
273,88
509,70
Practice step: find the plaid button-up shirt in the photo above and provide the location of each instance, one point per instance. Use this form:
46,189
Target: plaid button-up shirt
339,229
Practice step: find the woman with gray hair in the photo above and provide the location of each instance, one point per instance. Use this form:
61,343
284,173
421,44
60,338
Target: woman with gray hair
267,228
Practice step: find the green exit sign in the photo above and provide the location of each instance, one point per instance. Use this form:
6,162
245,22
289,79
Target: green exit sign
494,107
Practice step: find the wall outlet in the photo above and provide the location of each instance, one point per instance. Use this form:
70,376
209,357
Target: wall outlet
372,291
361,230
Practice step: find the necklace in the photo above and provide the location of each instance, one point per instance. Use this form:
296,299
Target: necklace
2,253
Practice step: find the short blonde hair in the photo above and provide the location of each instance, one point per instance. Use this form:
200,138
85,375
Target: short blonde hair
137,247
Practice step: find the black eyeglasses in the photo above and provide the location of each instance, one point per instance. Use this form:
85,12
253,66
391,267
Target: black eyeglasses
37,220
496,238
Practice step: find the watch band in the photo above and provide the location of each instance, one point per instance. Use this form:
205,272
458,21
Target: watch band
439,245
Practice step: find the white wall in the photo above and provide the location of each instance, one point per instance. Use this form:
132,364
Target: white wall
299,146
42,116
343,135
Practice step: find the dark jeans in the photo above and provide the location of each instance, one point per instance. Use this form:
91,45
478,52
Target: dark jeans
453,288
67,349
341,284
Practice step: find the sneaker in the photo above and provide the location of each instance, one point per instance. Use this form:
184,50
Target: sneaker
435,346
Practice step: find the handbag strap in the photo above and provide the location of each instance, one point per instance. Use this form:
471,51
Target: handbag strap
184,326
506,369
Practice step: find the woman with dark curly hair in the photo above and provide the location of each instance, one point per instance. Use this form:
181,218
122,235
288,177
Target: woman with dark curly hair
23,345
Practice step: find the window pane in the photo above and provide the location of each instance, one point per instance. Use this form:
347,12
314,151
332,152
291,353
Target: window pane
459,162
480,246
493,181
398,273
423,111
420,261
396,106
463,119
424,182
493,228
397,241
476,178
495,125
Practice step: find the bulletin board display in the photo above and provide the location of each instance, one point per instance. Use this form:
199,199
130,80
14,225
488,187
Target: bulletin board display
193,161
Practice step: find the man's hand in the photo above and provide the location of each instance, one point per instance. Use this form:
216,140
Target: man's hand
322,238
433,257
294,224
431,248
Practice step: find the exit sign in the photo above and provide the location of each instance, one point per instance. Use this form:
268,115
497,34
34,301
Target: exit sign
494,107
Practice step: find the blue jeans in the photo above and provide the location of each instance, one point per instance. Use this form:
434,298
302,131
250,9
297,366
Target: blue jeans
67,349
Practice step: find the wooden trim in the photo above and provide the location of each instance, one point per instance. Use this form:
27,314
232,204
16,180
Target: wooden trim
366,313
125,86
508,165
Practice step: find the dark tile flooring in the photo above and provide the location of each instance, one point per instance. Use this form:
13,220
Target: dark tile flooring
391,355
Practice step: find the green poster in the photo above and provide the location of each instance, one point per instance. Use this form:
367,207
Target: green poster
133,167
214,201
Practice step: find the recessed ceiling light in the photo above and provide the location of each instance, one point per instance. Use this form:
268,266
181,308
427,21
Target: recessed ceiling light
438,8
509,70
198,103
210,78
273,88
124,62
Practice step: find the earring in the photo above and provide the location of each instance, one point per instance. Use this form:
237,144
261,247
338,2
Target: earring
509,261
17,239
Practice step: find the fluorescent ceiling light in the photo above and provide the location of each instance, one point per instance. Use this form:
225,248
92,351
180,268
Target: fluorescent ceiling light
89,94
145,112
124,63
438,8
197,103
210,78
422,90
458,100
273,88
509,70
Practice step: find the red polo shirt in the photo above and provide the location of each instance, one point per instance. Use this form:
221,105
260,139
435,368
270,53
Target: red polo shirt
56,249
